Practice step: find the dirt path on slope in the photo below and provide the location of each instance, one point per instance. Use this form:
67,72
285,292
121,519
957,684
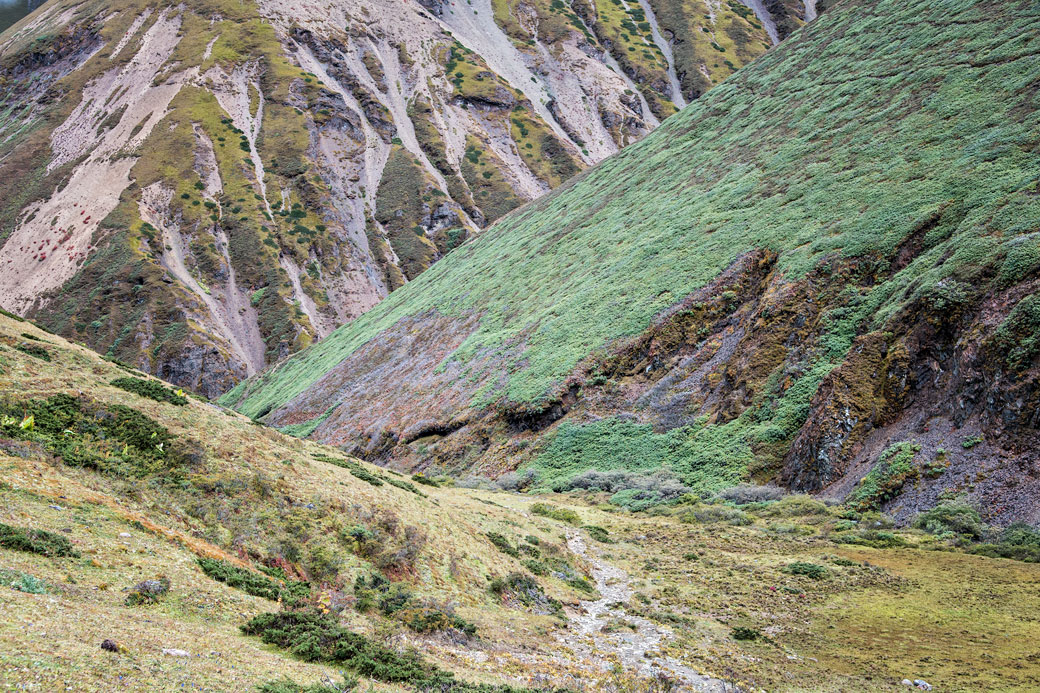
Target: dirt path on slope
628,646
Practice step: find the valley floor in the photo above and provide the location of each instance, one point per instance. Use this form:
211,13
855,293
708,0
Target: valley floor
704,597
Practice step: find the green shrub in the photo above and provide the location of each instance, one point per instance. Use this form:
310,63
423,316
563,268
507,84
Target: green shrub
318,637
885,480
251,583
951,518
810,570
556,513
424,480
108,438
34,350
745,633
502,544
286,685
152,389
878,539
36,541
598,533
23,582
714,514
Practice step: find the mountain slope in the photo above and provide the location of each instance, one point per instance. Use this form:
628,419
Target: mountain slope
827,261
202,189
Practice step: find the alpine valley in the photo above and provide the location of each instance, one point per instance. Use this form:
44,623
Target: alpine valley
517,346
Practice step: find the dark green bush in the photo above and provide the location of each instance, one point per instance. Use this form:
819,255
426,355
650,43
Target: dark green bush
745,633
598,533
556,513
953,518
251,583
425,480
502,544
318,637
34,350
810,570
36,541
152,389
286,685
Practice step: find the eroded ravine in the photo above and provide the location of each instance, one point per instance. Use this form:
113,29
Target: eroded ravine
635,647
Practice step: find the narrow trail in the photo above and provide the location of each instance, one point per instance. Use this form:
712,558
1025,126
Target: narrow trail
628,646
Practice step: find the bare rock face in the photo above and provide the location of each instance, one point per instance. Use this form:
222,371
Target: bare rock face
201,205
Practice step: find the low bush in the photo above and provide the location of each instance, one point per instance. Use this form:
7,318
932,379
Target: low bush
36,541
525,590
875,538
562,514
23,582
502,544
714,514
251,583
951,519
634,491
34,350
745,633
424,480
517,481
751,493
286,685
152,389
318,637
796,506
809,570
598,533
1018,541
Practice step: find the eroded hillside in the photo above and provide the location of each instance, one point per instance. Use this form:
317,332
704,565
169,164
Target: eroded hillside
823,272
203,188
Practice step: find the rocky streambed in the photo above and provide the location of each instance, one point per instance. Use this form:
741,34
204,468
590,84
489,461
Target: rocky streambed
605,634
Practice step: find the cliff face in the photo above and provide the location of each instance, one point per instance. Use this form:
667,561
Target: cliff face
202,189
823,272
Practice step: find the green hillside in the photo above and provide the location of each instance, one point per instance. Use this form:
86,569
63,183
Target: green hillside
883,164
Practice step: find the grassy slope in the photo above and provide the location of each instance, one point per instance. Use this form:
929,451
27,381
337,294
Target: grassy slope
916,612
841,141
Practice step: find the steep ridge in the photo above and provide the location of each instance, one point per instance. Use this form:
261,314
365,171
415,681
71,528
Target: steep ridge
824,272
340,146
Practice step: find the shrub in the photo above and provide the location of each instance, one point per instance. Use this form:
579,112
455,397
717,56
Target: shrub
502,544
951,518
810,570
108,438
598,533
152,389
796,506
525,590
318,637
714,514
424,480
251,583
23,582
517,481
36,541
1018,541
885,480
286,685
556,513
745,633
632,490
34,350
750,493
876,538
